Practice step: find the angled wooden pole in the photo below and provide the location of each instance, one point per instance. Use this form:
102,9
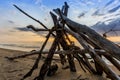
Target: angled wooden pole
103,43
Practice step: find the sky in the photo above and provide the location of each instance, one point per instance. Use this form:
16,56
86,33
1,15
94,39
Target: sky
13,22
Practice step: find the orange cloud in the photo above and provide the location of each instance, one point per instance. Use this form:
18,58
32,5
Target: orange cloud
114,39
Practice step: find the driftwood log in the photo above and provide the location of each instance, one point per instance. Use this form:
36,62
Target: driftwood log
102,64
103,43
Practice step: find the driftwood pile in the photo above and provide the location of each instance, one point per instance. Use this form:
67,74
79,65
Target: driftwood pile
92,43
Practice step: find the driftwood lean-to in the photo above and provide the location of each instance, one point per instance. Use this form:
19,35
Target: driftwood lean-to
92,43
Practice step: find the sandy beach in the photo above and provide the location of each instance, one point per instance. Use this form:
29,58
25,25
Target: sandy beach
15,70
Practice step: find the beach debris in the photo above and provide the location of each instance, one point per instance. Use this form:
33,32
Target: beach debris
93,44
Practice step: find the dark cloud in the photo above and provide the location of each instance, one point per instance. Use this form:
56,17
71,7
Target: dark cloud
101,27
110,2
41,33
97,13
114,9
81,15
10,21
22,29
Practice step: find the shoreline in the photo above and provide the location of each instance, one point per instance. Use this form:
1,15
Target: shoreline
15,70
16,49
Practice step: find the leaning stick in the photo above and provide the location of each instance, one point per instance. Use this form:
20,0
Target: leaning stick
39,56
30,16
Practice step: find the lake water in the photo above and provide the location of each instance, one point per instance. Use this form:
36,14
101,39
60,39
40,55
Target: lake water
23,46
26,46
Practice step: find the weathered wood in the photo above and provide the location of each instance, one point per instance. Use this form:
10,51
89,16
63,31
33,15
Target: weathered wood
38,58
80,60
78,53
88,38
62,57
85,63
111,59
89,41
35,29
65,46
88,63
65,12
48,60
82,52
103,43
98,67
62,52
103,65
30,16
63,42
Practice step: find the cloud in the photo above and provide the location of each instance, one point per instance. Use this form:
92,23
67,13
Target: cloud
114,9
97,13
81,15
99,1
102,27
110,2
41,33
22,29
38,1
90,3
10,21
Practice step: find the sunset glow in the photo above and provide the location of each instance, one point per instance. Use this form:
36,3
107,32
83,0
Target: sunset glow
13,23
114,39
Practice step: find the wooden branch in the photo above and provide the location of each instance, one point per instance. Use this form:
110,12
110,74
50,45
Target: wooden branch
63,42
103,65
103,43
65,46
54,17
80,60
44,52
48,60
110,58
39,56
30,16
84,60
66,6
87,62
35,29
63,52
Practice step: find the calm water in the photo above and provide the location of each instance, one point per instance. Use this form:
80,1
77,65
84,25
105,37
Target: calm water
27,46
23,46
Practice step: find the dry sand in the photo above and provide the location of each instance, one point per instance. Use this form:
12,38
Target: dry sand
15,70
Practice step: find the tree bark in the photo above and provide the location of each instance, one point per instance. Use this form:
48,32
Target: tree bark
102,64
103,43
